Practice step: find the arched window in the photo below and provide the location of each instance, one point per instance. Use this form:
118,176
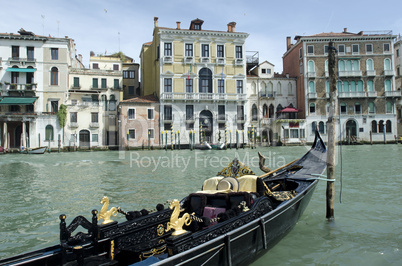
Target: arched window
271,111
54,79
265,111
326,66
313,127
49,132
270,89
360,86
343,108
327,86
370,85
312,108
104,100
254,113
348,65
381,126
371,108
290,89
388,108
339,86
279,88
311,67
279,108
388,85
253,88
321,127
205,76
388,126
346,86
311,87
341,66
112,103
369,64
387,64
358,108
374,126
353,86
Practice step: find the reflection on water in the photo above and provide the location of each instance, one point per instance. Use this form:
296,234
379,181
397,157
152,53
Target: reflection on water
35,190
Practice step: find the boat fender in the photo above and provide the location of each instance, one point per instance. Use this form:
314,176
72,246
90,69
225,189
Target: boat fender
133,215
144,212
160,207
223,216
205,221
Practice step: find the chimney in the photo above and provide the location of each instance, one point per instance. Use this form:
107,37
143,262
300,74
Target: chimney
288,42
178,25
231,26
156,22
345,30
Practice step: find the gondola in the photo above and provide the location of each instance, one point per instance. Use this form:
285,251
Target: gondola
236,218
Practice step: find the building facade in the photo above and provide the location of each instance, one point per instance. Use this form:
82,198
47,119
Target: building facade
200,78
34,82
366,83
398,82
268,93
94,94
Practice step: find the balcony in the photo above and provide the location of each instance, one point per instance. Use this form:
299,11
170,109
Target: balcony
222,118
352,94
389,72
73,125
371,73
372,94
189,118
21,61
94,125
266,121
202,96
205,59
312,95
221,61
167,118
311,74
9,89
239,61
167,59
240,118
351,73
392,93
188,60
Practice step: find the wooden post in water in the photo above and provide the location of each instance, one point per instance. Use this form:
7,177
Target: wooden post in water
333,107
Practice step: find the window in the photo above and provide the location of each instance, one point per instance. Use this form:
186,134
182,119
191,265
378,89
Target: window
369,48
388,127
14,78
73,117
388,108
312,108
221,86
310,49
205,50
220,51
221,112
116,67
326,49
49,132
94,117
189,85
239,52
189,49
311,87
321,127
167,111
371,108
15,52
76,83
239,86
55,53
94,83
54,80
311,66
387,48
131,113
94,138
370,85
205,83
131,133
343,108
168,49
397,52
240,112
95,66
374,126
313,127
54,106
30,53
300,53
116,84
168,85
150,113
263,71
151,133
254,113
387,64
388,85
103,83
369,64
189,112
341,49
381,126
358,108
129,74
355,49
131,90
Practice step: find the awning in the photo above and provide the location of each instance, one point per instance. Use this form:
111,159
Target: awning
17,100
289,110
25,70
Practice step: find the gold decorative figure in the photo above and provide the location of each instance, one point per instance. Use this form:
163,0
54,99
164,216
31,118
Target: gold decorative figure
177,223
106,214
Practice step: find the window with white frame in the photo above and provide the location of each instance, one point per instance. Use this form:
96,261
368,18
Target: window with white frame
387,48
369,48
189,85
189,49
94,138
150,112
239,52
167,85
310,49
300,52
341,49
167,49
343,108
131,113
131,133
205,50
221,86
312,108
355,49
388,108
239,86
325,49
220,51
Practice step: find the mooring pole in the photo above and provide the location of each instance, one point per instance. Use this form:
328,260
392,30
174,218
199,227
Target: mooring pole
333,107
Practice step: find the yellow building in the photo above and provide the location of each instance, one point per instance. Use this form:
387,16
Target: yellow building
200,78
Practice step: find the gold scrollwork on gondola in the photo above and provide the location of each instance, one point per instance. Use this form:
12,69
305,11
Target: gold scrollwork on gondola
236,169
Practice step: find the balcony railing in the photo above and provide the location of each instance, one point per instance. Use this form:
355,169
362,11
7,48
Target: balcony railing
94,125
311,74
203,96
20,87
267,121
312,95
167,59
220,61
371,73
20,60
371,94
352,94
351,73
73,125
389,72
392,93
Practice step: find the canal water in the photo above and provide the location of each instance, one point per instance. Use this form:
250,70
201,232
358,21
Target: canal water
367,230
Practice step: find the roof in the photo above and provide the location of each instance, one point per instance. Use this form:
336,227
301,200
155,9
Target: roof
142,99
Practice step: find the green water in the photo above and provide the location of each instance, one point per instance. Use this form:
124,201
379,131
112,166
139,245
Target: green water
36,189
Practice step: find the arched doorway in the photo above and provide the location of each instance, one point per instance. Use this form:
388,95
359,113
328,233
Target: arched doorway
84,138
207,124
351,129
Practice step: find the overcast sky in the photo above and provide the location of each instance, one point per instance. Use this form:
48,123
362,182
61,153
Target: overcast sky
112,25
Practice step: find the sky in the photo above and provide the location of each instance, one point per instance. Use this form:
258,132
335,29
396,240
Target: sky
109,26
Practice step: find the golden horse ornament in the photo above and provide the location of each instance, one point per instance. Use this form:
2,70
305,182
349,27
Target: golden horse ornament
177,223
106,214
